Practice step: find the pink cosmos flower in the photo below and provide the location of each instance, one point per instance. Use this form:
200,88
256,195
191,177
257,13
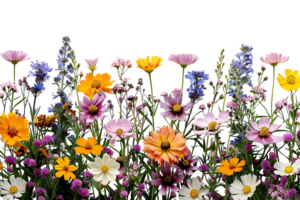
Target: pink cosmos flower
174,108
167,179
177,90
94,108
184,59
186,164
233,105
274,59
14,56
209,121
92,63
118,129
262,133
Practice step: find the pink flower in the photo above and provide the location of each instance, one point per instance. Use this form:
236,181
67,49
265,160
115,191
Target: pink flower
186,164
14,56
233,105
262,133
167,179
209,121
94,108
274,59
177,90
118,129
174,108
183,59
92,63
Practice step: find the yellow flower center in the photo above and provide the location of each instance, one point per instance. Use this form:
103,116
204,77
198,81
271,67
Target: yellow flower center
13,189
176,108
93,109
165,145
247,189
212,126
66,167
185,163
291,79
168,179
119,131
231,165
264,132
288,169
104,168
12,131
194,193
88,146
96,84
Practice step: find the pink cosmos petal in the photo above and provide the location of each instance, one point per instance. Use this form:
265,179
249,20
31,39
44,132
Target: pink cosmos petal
87,101
193,160
182,118
251,137
253,132
274,127
223,116
255,126
212,133
188,105
200,122
209,117
193,167
274,59
95,99
174,188
183,59
92,62
14,56
189,172
156,182
165,106
83,106
90,119
276,139
177,99
264,122
163,190
156,175
203,132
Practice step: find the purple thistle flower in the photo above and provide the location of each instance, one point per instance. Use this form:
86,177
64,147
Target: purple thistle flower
83,192
10,160
44,172
30,184
39,191
124,194
288,137
203,168
137,148
272,156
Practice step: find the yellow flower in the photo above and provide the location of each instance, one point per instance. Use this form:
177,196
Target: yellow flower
13,129
88,146
65,169
15,146
147,65
228,168
43,120
93,84
1,166
291,82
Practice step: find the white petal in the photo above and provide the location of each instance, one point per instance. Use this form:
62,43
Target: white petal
184,191
105,159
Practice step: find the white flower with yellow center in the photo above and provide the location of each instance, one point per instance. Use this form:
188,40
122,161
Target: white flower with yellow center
193,191
105,169
286,169
13,189
245,189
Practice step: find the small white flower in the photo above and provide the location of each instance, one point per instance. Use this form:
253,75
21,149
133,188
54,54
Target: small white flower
245,189
193,192
286,169
105,169
13,189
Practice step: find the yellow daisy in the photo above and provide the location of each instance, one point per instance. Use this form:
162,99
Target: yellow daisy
291,82
149,65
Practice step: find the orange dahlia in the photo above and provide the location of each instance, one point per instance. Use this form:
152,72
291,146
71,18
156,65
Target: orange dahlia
228,168
165,146
88,146
13,129
93,84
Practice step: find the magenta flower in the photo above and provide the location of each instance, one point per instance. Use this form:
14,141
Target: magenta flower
92,63
209,121
262,133
94,108
167,179
183,59
174,109
14,56
186,165
274,59
118,129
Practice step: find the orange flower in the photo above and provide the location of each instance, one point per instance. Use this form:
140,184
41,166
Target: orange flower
228,168
88,146
93,84
165,146
43,120
65,169
44,151
15,146
13,129
21,151
1,166
149,65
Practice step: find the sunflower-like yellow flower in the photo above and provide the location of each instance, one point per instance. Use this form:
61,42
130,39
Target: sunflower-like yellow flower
93,84
229,167
64,169
13,129
43,120
291,82
88,146
149,65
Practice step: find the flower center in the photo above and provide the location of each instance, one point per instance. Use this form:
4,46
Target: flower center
186,163
96,84
231,166
13,189
119,131
264,132
104,168
176,109
288,169
291,79
247,189
88,146
93,110
165,145
12,131
66,167
194,193
212,126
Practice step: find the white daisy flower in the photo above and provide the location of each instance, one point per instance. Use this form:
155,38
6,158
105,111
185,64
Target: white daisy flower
193,192
105,169
286,169
13,189
245,189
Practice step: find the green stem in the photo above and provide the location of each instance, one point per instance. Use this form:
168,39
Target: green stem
153,126
120,110
272,94
12,98
182,78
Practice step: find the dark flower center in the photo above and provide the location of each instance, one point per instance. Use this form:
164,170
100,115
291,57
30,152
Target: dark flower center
185,164
165,145
168,181
93,110
176,109
12,131
96,84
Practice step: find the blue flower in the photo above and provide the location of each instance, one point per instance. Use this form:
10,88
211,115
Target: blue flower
237,140
197,79
40,71
59,62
